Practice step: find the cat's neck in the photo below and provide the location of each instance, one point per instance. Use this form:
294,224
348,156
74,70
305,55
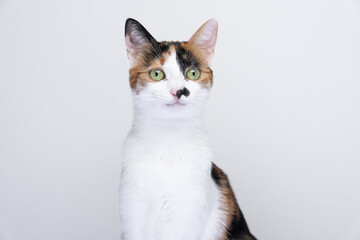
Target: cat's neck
148,127
172,139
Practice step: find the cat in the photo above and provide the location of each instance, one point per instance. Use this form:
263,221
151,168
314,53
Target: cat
169,187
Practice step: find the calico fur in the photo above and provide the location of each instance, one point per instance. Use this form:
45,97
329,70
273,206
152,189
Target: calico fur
186,56
170,188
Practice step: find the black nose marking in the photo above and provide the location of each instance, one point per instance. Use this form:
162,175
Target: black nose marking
186,92
183,91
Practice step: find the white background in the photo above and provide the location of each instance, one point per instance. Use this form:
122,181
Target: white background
283,118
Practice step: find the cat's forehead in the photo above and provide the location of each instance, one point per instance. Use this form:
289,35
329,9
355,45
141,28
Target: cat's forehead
185,56
171,65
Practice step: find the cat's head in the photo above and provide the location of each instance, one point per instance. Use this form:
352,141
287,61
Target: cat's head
170,79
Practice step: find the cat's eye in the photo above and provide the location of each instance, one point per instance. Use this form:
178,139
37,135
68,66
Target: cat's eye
157,74
193,74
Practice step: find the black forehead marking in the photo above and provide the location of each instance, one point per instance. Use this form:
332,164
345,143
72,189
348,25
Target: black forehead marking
155,52
185,58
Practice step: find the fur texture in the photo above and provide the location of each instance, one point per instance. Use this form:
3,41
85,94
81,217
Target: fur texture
170,189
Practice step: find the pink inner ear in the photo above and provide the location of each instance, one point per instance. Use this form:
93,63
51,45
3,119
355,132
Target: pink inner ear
205,37
209,34
131,49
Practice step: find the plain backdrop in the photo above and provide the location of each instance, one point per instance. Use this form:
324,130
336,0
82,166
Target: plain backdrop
283,118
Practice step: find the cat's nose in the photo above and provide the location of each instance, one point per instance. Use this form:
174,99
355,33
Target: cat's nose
173,92
183,91
180,92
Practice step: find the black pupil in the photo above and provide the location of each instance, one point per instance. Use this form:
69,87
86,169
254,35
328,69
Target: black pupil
156,73
193,72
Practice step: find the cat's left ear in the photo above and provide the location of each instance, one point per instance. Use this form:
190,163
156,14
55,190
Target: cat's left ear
204,39
138,40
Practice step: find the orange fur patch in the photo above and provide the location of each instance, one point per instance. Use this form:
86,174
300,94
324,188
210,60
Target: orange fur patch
139,74
229,204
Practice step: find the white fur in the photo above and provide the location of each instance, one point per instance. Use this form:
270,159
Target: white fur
166,189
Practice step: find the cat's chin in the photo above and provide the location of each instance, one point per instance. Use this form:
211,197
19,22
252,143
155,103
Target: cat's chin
173,111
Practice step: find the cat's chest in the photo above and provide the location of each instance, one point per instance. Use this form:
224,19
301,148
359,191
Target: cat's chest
168,183
170,167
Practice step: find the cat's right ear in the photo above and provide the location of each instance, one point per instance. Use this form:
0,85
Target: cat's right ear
204,39
137,40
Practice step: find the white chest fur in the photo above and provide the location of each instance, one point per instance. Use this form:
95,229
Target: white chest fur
166,184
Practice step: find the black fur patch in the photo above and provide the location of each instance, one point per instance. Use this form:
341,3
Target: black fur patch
185,58
132,25
155,52
238,229
183,91
186,92
215,176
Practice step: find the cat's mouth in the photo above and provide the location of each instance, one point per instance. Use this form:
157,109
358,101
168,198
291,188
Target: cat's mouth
177,103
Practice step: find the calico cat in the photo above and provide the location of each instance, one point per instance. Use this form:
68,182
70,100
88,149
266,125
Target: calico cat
170,189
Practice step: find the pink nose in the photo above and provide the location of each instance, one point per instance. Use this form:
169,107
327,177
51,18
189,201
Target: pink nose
177,94
173,92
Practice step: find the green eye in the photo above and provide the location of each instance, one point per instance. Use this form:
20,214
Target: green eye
157,74
193,74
